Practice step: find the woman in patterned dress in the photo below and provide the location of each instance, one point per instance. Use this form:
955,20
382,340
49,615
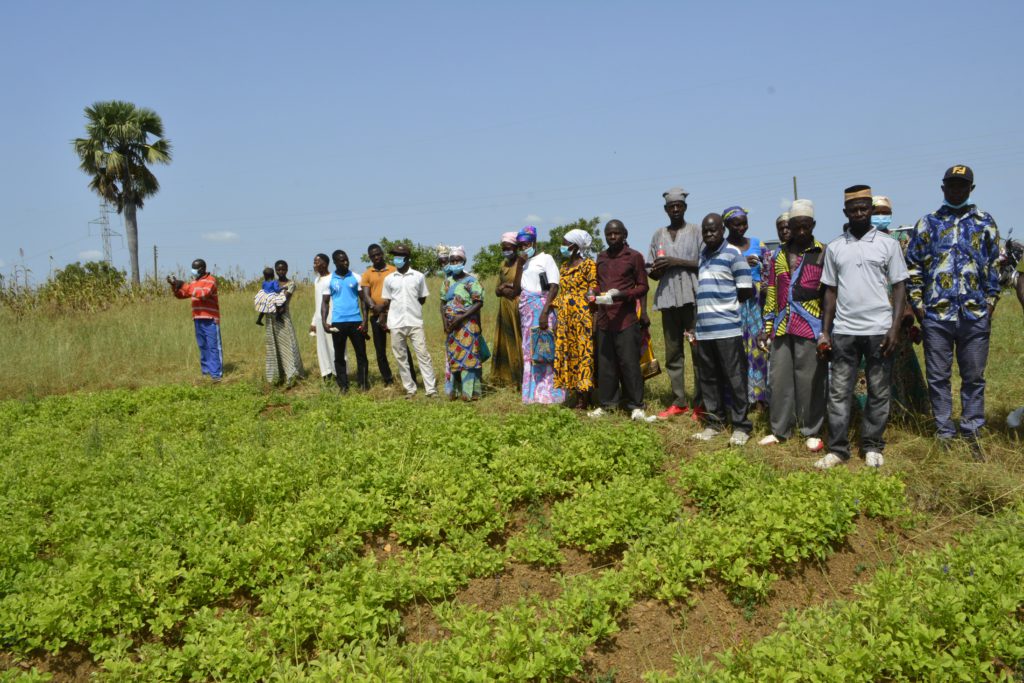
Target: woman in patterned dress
574,341
465,350
282,361
536,285
750,310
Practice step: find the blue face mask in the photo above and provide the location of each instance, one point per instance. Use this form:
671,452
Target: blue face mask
881,222
399,261
565,251
508,253
958,206
195,272
456,268
530,251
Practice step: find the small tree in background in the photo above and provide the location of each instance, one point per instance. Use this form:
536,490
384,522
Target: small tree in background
424,256
488,260
554,242
90,286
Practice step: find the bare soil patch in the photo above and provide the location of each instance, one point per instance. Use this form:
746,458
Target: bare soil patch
72,665
276,410
652,632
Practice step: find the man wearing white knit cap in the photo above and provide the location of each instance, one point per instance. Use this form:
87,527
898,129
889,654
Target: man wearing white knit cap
792,318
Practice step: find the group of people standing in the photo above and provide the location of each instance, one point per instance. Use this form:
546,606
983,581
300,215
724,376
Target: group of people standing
805,331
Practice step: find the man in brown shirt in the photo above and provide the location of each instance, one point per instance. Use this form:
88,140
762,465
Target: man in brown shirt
622,281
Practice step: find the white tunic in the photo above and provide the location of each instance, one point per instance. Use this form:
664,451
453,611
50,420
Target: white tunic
324,345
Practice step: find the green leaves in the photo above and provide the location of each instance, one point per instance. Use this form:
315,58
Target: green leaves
179,535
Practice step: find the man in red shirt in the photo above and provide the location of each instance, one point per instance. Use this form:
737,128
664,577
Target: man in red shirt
205,316
622,281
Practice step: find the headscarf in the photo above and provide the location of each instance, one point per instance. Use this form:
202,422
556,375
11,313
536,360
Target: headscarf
734,212
582,239
443,250
458,251
508,237
881,200
527,234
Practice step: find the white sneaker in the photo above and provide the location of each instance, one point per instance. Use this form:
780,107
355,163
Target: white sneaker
640,416
814,444
828,462
873,459
596,413
738,438
769,440
1013,420
706,435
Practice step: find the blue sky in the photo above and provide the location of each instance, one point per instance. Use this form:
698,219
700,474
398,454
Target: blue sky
305,127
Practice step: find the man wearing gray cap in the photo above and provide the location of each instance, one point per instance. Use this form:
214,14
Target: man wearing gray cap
675,250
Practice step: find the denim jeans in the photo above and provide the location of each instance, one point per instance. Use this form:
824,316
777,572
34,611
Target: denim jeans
847,351
970,339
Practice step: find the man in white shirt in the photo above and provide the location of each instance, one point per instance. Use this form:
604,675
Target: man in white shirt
861,266
404,293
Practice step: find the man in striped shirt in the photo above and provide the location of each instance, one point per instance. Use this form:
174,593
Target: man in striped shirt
205,317
723,281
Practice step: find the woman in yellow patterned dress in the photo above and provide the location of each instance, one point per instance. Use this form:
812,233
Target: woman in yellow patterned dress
574,340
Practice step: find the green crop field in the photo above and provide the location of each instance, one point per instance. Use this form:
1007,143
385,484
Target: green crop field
157,528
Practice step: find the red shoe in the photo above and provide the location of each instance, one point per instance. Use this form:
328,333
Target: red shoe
672,411
697,414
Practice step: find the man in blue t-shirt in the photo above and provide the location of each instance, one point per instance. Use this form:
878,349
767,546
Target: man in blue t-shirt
346,322
723,281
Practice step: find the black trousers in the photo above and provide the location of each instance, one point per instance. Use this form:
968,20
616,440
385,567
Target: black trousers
380,346
723,362
618,368
345,333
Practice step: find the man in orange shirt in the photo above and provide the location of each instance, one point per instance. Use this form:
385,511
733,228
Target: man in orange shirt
205,316
370,287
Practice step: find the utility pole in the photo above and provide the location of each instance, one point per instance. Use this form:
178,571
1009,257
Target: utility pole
105,232
156,273
795,196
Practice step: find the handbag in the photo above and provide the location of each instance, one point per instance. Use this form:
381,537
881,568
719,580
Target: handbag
649,365
542,346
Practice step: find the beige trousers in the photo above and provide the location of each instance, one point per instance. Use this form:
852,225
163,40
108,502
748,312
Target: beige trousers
402,338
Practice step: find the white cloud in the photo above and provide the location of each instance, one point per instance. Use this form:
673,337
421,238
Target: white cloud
90,255
533,219
221,236
3,264
785,203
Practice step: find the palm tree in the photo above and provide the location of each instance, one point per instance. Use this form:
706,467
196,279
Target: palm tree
115,152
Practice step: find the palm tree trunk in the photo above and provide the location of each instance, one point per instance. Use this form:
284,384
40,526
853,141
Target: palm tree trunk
131,227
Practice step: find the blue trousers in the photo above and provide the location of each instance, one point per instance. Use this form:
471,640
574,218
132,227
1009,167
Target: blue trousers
969,339
211,355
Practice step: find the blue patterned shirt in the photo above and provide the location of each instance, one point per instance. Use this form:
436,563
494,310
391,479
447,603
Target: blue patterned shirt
952,264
